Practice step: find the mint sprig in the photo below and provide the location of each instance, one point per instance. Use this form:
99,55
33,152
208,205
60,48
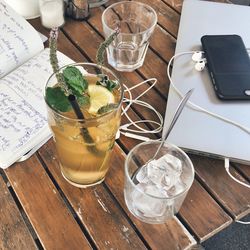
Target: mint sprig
75,80
107,83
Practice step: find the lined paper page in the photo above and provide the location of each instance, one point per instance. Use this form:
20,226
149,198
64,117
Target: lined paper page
19,41
23,115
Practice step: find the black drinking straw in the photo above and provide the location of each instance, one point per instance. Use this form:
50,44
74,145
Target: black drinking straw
84,131
75,106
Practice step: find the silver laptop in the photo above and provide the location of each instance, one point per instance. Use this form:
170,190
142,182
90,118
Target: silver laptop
196,131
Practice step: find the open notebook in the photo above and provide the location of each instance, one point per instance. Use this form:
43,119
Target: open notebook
24,70
196,131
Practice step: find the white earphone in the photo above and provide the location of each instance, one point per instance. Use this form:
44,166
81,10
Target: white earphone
199,66
133,129
200,61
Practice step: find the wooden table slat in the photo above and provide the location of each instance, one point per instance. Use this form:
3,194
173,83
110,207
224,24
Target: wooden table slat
167,17
176,4
51,219
245,169
163,43
233,196
95,208
204,216
14,234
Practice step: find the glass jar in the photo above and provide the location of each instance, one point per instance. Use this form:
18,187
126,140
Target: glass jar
77,9
96,3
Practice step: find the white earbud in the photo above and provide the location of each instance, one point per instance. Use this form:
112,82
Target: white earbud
199,66
197,56
199,59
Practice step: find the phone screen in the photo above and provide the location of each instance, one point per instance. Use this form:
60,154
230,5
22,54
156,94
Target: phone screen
229,65
229,54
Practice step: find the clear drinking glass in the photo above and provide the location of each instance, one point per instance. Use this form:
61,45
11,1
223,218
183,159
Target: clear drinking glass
155,190
84,146
136,22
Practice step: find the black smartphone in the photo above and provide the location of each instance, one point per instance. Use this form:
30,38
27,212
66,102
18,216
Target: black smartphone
229,66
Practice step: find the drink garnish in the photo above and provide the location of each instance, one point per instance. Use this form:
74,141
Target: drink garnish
106,82
76,84
57,99
107,108
54,60
75,80
99,97
101,50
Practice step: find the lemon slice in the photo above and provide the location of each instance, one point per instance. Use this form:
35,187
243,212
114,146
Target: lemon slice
99,97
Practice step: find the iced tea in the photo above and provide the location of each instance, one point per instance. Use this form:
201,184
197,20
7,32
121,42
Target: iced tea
84,146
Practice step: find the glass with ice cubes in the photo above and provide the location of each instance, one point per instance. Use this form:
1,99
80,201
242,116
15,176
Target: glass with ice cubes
155,189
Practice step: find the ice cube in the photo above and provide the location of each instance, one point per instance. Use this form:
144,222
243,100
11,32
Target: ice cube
155,172
177,188
141,175
165,171
155,190
173,163
168,181
146,205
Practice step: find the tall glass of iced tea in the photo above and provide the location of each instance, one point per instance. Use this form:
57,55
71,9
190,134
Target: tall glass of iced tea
84,146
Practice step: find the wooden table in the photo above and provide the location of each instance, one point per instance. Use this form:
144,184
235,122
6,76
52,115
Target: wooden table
39,209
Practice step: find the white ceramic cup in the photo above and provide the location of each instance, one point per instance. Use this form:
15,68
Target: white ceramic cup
27,8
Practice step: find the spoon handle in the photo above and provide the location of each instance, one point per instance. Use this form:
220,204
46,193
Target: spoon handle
175,118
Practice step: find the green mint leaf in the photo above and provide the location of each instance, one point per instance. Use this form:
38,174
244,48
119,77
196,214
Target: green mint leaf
107,83
111,85
56,98
107,108
75,80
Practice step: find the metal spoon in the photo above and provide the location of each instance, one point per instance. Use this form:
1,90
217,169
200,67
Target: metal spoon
164,137
175,118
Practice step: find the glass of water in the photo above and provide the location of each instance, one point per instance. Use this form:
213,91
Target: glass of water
155,189
136,22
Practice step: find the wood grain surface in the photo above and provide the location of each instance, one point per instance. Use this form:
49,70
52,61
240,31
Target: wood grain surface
60,216
44,206
14,234
234,197
95,208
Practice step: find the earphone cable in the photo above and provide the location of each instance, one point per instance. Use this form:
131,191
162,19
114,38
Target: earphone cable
124,129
